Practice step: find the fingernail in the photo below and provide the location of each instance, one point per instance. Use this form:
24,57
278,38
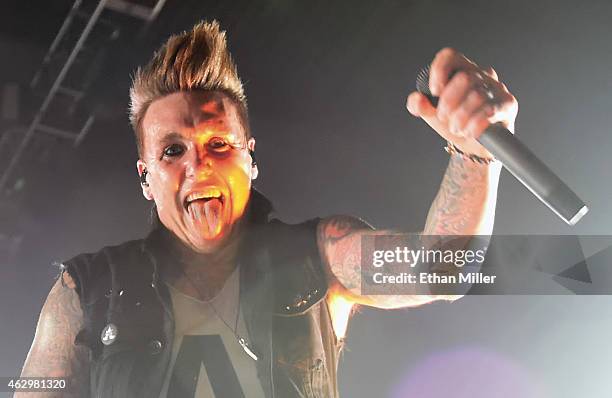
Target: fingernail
441,113
469,131
437,90
453,129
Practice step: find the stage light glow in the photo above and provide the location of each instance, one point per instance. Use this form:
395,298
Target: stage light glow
340,309
472,372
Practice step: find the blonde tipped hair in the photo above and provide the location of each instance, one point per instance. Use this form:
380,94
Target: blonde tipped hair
193,60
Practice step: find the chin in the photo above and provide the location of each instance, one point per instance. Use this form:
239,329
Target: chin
209,245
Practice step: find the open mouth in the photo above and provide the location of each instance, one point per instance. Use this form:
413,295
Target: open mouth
205,209
203,197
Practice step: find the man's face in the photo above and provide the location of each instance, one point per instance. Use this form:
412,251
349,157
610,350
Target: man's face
199,167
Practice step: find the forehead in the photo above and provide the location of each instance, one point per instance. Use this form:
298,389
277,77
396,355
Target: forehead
186,112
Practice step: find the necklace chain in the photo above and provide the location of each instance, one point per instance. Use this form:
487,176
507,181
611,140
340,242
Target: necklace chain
234,331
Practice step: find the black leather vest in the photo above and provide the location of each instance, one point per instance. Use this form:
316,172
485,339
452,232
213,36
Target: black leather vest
283,291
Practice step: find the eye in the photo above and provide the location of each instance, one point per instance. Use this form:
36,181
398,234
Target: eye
218,145
173,150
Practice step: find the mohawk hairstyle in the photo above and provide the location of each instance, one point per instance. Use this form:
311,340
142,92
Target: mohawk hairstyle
193,60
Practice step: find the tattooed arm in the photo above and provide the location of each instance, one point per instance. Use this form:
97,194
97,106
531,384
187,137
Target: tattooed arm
464,205
470,99
53,352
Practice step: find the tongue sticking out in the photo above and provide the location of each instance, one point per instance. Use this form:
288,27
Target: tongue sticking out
208,212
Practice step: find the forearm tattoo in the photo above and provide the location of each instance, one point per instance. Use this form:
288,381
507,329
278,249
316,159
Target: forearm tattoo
460,203
53,352
341,244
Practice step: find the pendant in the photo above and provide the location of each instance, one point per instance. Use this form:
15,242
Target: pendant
246,349
109,334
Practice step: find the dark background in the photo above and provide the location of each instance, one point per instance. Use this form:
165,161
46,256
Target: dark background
327,83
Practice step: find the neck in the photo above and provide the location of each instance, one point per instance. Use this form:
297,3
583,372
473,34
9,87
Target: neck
200,275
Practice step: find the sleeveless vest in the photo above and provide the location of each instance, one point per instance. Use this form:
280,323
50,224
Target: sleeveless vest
282,294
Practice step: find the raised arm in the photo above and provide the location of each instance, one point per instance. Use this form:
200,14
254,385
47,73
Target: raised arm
470,98
464,205
53,352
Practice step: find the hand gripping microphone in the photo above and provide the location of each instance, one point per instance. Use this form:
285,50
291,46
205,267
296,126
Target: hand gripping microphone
523,164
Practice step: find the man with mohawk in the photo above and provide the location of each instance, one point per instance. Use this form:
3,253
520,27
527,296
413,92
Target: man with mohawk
220,300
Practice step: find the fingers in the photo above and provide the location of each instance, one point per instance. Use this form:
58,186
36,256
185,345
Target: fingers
506,109
470,98
442,67
469,103
453,93
474,103
482,108
478,122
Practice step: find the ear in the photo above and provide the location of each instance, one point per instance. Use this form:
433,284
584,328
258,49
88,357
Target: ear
146,189
251,148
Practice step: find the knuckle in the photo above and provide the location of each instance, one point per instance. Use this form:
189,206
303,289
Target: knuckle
476,79
462,115
479,116
509,99
462,78
443,114
491,72
447,52
471,127
441,59
478,123
476,97
447,102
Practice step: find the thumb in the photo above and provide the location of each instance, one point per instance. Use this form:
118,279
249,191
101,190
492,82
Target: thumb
419,106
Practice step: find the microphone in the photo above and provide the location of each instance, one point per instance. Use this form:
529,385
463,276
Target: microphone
523,164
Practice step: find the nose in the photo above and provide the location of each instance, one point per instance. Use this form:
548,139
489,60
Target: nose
199,164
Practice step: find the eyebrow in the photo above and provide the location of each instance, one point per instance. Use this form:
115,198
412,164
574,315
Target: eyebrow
174,136
171,136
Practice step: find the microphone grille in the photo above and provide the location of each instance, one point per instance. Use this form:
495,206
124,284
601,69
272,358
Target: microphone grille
422,85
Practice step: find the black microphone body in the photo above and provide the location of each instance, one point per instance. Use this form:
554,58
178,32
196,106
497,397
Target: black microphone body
524,165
